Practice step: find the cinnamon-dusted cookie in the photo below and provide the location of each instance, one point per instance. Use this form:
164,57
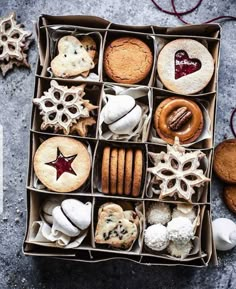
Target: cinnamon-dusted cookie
185,66
138,172
115,227
128,171
62,164
120,171
230,197
106,170
72,58
113,170
127,60
225,161
179,117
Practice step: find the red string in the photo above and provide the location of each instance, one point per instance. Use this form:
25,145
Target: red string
188,11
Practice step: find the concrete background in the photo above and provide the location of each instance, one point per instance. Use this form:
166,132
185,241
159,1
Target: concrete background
17,271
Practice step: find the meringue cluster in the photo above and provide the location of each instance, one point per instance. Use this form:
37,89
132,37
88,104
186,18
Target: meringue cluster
170,230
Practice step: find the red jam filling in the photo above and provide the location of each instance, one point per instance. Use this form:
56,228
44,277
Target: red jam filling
185,65
62,164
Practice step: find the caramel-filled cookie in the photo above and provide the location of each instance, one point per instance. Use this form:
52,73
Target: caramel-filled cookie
138,171
225,161
128,171
230,197
127,60
113,171
120,171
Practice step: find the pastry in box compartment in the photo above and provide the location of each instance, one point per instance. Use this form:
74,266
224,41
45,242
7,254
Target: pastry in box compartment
67,109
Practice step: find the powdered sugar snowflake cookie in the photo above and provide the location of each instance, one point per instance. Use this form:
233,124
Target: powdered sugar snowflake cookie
62,107
14,42
177,171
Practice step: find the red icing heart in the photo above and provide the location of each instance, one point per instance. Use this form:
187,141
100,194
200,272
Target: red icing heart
185,65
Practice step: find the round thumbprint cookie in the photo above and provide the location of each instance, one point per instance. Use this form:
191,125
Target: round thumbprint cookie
185,66
127,60
178,117
62,164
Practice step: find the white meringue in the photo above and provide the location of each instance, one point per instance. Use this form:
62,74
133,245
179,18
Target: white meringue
180,230
62,224
121,114
155,237
158,213
77,212
47,208
224,234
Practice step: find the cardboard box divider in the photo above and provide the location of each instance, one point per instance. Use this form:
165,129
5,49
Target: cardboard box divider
108,31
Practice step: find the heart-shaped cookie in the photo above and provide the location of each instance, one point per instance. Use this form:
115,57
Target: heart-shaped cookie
72,60
115,227
185,65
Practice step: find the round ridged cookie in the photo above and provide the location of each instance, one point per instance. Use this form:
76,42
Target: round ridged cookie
113,171
62,164
225,160
127,60
128,171
120,171
230,197
105,170
138,171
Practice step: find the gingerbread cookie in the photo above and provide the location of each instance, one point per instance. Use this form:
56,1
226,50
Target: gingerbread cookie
230,197
179,117
120,171
128,171
72,58
138,172
115,228
127,60
106,170
225,160
62,164
185,66
113,171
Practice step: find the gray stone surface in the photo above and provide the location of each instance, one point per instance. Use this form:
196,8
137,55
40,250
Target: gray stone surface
17,271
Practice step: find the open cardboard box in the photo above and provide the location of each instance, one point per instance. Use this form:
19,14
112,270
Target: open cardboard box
49,29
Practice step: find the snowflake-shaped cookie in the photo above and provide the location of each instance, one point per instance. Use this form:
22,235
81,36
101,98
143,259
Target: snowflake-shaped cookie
13,43
177,172
61,107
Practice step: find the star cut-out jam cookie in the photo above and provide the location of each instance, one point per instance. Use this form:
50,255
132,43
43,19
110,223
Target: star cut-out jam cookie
177,172
14,42
62,164
62,107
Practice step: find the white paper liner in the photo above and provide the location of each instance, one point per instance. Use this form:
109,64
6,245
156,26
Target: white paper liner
40,186
161,42
54,32
151,191
140,133
206,131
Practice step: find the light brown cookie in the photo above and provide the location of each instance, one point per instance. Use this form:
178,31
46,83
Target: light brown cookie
120,171
113,171
230,197
137,174
127,60
225,160
128,171
72,58
90,46
62,164
106,170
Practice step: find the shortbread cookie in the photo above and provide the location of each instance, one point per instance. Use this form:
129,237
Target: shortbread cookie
128,171
62,164
113,228
91,47
113,171
185,66
230,197
72,58
105,170
225,160
120,171
127,60
138,171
